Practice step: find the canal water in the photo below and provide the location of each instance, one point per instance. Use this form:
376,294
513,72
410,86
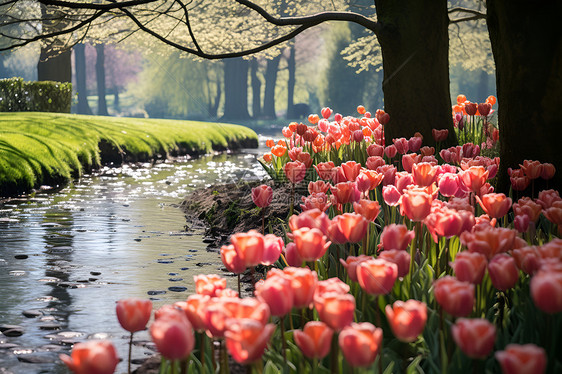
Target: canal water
67,257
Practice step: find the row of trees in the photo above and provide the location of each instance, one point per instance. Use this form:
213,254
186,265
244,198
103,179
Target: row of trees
414,47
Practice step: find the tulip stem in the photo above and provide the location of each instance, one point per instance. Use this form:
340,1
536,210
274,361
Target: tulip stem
224,358
202,347
214,360
292,199
130,353
239,288
263,221
335,354
283,342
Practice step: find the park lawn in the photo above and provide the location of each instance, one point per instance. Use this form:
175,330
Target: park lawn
52,148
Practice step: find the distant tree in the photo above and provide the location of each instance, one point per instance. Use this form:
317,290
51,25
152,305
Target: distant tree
81,88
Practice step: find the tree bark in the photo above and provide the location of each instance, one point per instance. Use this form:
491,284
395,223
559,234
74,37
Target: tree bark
53,65
527,47
292,67
270,84
236,89
256,90
100,79
414,40
80,69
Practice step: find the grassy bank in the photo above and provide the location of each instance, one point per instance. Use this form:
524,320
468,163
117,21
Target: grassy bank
49,148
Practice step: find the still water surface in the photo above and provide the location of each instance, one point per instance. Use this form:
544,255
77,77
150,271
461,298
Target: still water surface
67,257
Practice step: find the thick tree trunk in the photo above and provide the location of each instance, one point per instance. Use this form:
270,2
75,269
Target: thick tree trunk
53,67
256,90
235,89
527,47
270,84
3,69
100,79
292,67
80,69
414,40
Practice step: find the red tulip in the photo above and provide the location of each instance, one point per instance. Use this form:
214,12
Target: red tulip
374,162
209,284
454,296
311,243
414,143
396,237
246,339
407,319
398,257
409,160
546,290
353,226
375,150
469,267
389,173
415,204
522,359
526,206
277,293
470,108
262,195
295,171
496,205
484,109
133,314
326,112
360,343
475,337
314,340
390,151
93,357
173,336
548,171
335,309
503,271
231,260
532,169
440,135
249,246
448,184
401,145
377,276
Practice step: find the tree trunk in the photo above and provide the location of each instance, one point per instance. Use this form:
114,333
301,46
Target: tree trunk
80,69
236,89
3,69
256,90
414,40
292,67
52,65
116,103
270,84
527,47
100,79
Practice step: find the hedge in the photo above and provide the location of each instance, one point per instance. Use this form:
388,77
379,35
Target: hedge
46,96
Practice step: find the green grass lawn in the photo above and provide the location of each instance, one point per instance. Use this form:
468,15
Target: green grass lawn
48,148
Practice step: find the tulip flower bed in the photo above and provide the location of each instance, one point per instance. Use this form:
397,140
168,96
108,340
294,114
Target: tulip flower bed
401,259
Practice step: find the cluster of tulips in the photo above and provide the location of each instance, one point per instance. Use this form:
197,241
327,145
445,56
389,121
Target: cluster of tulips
472,121
401,259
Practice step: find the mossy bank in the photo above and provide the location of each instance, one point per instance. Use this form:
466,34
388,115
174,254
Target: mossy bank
50,149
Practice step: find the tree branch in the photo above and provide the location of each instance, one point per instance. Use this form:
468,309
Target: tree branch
471,18
467,10
315,18
76,5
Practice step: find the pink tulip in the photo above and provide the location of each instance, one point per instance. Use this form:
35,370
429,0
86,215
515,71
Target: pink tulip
360,343
133,314
522,359
377,276
314,340
92,357
503,272
407,319
173,336
454,296
475,337
262,195
396,237
277,293
246,339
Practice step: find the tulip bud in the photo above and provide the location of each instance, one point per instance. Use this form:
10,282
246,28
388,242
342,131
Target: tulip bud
407,319
475,337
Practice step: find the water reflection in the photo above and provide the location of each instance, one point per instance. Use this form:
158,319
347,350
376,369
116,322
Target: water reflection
67,257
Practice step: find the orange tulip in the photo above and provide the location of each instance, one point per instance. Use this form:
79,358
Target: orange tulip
209,284
474,178
503,272
173,335
489,241
194,309
360,343
279,150
469,267
133,314
344,192
231,260
415,204
407,319
303,283
249,246
522,359
491,99
532,169
311,243
474,337
424,173
377,276
335,309
246,339
314,340
353,226
351,170
496,205
454,296
367,208
93,357
461,99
